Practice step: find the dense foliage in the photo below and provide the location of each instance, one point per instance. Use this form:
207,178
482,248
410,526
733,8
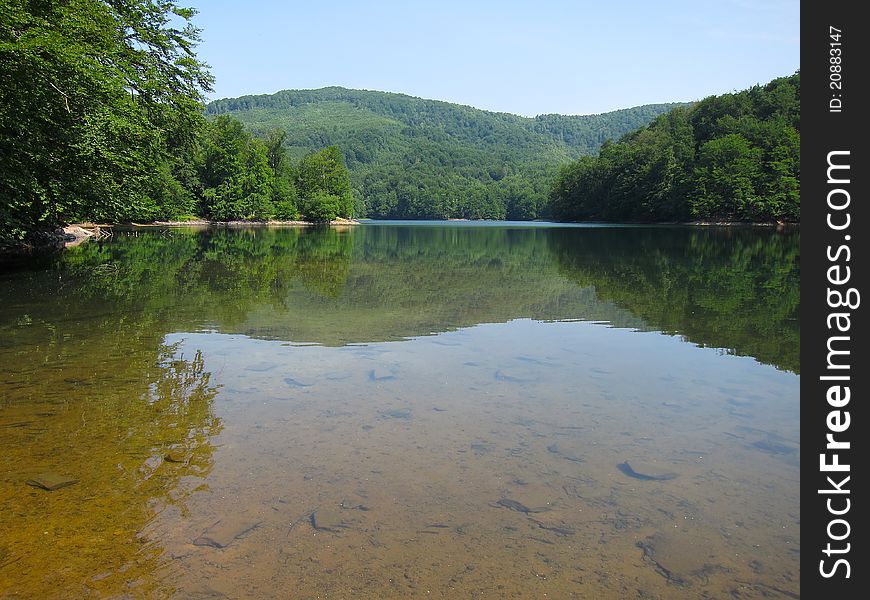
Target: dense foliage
236,176
734,157
415,158
101,119
97,98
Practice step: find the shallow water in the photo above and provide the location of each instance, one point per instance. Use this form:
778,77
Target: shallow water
435,410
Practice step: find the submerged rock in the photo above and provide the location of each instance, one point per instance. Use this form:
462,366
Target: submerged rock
679,556
151,464
326,519
375,375
481,448
176,456
225,531
553,521
774,447
645,472
351,505
398,413
51,481
527,502
512,378
565,453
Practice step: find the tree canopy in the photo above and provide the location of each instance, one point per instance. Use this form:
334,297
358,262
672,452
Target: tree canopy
411,158
97,98
324,184
734,157
101,119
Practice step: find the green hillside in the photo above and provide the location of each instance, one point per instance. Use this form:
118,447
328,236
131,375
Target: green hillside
734,157
416,158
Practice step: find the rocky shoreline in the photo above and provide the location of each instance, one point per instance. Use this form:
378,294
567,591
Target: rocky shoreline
73,235
42,242
207,223
47,241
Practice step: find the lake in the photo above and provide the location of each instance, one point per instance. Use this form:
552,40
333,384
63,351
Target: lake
403,410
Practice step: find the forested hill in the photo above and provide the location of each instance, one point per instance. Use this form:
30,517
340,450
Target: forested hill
416,158
734,157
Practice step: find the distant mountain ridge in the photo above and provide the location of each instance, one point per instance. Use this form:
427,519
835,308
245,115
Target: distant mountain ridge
416,158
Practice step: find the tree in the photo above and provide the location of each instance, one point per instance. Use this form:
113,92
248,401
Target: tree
321,206
235,173
274,140
724,179
323,176
734,157
95,97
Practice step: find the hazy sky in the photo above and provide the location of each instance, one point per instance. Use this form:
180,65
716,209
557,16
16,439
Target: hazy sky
528,58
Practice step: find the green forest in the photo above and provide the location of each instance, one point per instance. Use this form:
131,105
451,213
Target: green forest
734,157
411,158
103,118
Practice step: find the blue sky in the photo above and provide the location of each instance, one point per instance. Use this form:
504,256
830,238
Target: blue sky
528,58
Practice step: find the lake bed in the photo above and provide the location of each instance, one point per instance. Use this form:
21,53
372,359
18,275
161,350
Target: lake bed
404,410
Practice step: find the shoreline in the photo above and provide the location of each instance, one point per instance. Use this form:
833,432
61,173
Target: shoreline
207,223
75,234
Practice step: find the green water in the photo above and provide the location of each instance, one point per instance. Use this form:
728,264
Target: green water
395,410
